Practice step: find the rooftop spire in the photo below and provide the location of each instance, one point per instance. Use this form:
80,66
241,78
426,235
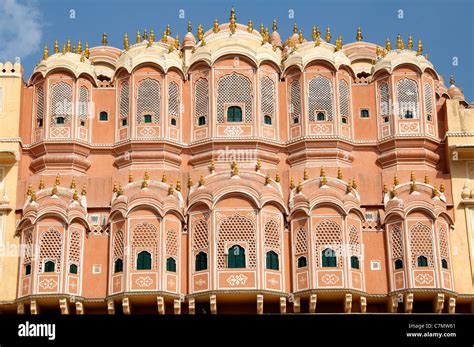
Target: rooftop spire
45,53
410,43
233,20
104,39
274,25
152,38
56,46
145,34
388,44
295,28
125,42
451,80
168,30
328,34
420,48
359,34
215,28
400,45
250,26
190,29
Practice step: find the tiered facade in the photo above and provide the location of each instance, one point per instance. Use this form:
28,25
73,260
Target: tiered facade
235,172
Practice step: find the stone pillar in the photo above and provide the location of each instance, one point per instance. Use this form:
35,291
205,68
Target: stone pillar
283,304
192,306
20,308
177,306
312,303
213,304
296,304
408,302
126,306
348,303
259,304
363,304
63,305
80,307
34,307
452,305
160,301
392,304
438,303
111,306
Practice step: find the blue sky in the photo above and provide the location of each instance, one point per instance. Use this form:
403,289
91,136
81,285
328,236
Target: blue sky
445,27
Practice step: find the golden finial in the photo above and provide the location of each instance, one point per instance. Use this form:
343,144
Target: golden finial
249,26
393,192
190,181
190,28
314,33
130,178
74,195
410,43
378,51
268,178
178,185
262,29
232,25
451,80
73,183
56,46
33,196
152,38
212,167
115,189
435,190
412,177
82,58
258,166
354,183
176,42
64,50
441,187
57,180
305,174
274,25
200,33
125,42
349,186
164,38
300,37
359,34
30,190
324,180
385,188
145,35
339,173
295,28
400,45
55,190
120,189
146,176
84,191
145,181
168,30
68,46
299,187
322,172
170,189
73,49
328,34
292,183
215,28
396,181
235,169
317,43
86,50
267,36
45,52
201,180
104,39
79,47
339,43
413,187
138,38
163,177
41,184
427,179
388,44
277,178
420,48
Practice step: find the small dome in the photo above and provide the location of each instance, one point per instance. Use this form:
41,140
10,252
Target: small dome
189,40
275,38
455,93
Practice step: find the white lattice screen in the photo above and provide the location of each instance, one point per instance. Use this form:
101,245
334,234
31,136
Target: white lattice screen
145,238
344,98
407,93
320,97
428,99
173,99
234,88
354,241
421,243
236,228
272,235
384,98
200,236
396,242
124,100
172,243
28,242
328,235
295,98
75,247
443,243
50,248
118,247
61,102
301,241
39,103
148,100
83,103
201,97
267,96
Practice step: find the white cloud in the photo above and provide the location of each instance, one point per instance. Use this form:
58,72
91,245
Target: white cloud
20,29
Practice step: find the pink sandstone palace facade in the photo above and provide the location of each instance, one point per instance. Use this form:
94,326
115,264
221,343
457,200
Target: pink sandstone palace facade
235,172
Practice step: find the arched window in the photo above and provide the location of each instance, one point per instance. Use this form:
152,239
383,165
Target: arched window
320,97
384,97
144,261
202,120
364,113
236,257
118,266
407,93
124,103
329,258
27,269
39,106
444,263
49,266
344,98
148,101
60,120
302,262
295,101
422,261
398,264
73,269
355,262
173,121
272,261
234,114
428,102
344,120
320,116
61,103
147,118
171,265
234,89
267,120
103,116
201,261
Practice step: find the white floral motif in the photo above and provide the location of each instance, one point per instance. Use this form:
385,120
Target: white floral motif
330,279
424,278
144,281
48,283
233,131
236,280
200,282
